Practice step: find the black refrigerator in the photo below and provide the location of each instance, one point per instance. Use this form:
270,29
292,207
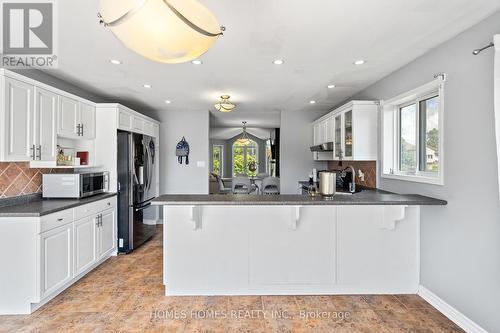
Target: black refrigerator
136,188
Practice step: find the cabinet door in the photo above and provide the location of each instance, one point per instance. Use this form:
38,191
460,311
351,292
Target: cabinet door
322,131
124,120
45,129
148,128
68,117
338,137
87,120
56,258
348,144
138,124
18,121
106,234
330,129
85,244
316,134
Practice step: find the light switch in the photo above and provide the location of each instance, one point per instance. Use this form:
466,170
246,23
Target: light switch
200,164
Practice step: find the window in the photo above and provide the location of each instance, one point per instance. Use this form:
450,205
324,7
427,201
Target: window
217,160
245,158
412,135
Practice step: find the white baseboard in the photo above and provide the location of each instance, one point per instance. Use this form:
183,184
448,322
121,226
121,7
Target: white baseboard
453,314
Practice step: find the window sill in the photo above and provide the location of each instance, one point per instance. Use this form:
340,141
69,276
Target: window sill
415,178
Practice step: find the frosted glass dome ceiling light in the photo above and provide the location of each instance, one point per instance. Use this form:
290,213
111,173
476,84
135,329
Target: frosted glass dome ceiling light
168,31
225,104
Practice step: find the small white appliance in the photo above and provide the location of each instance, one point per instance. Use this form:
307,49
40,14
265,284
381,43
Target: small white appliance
75,186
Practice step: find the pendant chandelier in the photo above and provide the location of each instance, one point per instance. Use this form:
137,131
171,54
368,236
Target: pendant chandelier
224,105
244,139
167,31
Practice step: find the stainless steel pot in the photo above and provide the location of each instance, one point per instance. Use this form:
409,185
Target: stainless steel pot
327,183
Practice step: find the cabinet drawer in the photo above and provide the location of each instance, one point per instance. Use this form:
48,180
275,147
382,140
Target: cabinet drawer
94,208
55,220
106,204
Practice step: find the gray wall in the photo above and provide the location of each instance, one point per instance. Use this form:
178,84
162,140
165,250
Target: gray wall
174,177
460,243
296,139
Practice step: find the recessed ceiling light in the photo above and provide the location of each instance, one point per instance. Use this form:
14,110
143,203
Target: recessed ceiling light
168,102
115,61
197,62
312,102
330,86
359,62
147,86
279,62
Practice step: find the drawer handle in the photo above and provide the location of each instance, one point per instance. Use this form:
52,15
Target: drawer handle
109,203
59,220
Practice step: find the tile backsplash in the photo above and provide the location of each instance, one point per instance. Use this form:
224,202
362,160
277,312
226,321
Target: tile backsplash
369,168
16,178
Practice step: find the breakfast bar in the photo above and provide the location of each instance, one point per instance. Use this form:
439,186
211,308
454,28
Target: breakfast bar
366,242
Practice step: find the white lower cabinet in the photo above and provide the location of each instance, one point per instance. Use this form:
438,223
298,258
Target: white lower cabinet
106,233
56,258
85,244
41,256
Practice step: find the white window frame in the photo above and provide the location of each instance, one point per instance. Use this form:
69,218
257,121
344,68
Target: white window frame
245,149
221,159
390,134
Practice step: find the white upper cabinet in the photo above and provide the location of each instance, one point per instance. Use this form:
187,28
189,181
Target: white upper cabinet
353,128
76,119
132,121
45,125
124,120
329,135
67,120
16,121
86,121
322,132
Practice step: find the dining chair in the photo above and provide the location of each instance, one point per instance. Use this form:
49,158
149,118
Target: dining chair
241,185
271,185
222,187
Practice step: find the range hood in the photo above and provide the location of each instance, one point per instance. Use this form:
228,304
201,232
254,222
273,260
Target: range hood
325,147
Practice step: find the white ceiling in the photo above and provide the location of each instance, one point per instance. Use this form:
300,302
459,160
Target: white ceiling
318,39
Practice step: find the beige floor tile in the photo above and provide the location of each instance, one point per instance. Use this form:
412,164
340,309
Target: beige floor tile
126,294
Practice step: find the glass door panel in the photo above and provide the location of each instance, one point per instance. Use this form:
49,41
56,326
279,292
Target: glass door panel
338,136
348,134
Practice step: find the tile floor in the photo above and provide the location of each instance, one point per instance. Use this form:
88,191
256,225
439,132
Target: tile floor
125,294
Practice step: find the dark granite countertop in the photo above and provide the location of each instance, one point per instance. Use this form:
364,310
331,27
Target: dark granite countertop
365,197
36,206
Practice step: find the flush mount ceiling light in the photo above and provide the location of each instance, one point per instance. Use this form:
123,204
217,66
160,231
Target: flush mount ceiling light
168,31
197,62
312,102
359,62
279,62
244,139
147,86
224,105
115,62
330,86
168,102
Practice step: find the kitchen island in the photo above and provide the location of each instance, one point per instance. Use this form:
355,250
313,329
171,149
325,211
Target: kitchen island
367,242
